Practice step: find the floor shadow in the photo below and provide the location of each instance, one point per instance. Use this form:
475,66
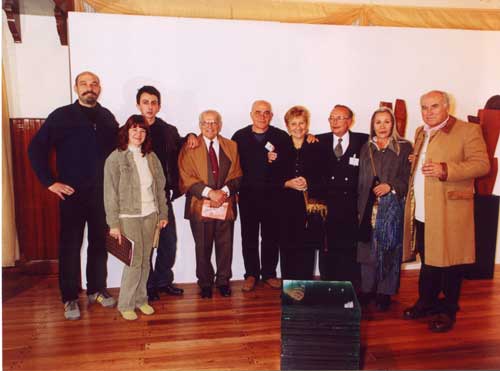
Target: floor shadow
14,282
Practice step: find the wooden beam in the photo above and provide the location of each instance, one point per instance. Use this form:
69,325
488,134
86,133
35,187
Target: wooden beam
61,9
11,8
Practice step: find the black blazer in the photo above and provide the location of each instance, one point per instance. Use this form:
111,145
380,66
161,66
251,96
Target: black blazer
292,204
342,183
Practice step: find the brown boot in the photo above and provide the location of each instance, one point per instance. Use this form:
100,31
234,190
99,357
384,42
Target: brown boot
274,283
249,284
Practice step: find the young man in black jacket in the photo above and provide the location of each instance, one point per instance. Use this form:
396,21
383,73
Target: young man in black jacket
166,144
83,134
258,195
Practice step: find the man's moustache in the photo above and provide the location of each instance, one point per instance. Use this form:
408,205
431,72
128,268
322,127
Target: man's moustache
89,92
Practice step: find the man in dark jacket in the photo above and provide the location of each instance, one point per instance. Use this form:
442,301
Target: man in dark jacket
341,148
83,134
258,194
166,145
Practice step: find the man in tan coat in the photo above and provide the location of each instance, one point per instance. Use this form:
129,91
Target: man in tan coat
439,214
210,176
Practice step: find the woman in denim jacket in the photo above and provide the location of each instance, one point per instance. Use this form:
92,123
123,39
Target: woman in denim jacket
135,203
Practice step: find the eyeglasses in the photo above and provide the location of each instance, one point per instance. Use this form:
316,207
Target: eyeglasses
209,123
338,118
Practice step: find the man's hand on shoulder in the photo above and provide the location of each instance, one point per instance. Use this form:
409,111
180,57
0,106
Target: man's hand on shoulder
192,141
61,189
310,138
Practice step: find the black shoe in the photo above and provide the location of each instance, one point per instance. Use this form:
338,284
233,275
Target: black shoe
206,292
171,290
416,312
383,302
441,323
364,298
225,291
153,295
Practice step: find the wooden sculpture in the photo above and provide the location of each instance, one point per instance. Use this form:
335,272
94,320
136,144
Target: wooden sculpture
399,113
490,124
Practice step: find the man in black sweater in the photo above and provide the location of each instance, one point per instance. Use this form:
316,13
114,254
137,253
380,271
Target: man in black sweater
83,134
340,149
258,195
166,145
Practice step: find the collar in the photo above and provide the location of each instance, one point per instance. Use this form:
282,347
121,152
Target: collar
450,121
207,141
134,149
449,125
343,137
391,146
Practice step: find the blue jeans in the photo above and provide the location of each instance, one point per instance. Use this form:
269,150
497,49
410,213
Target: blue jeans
162,275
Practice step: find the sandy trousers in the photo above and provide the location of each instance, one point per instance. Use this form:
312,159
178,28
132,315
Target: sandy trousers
133,292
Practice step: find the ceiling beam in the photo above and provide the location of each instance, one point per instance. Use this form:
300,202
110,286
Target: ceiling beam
11,8
61,9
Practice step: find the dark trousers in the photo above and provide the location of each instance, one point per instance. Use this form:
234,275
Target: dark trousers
84,206
259,209
432,280
297,263
162,274
340,263
205,235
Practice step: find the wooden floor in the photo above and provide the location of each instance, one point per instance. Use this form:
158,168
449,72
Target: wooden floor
237,333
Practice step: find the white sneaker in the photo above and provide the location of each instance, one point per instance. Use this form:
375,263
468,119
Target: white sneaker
71,310
102,297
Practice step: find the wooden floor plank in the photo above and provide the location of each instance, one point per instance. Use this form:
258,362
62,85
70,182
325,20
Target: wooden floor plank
237,333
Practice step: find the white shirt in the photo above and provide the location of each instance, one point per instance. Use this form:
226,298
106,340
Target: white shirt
146,181
419,183
419,180
344,143
216,147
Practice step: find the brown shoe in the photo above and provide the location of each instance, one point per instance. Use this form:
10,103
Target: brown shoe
274,283
249,284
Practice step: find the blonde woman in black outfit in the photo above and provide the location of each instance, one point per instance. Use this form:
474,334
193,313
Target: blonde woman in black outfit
301,173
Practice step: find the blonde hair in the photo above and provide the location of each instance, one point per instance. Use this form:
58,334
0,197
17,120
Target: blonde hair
297,111
394,135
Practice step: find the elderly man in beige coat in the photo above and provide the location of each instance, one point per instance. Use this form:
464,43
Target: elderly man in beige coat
210,176
439,216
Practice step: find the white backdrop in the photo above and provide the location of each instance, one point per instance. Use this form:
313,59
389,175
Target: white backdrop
225,65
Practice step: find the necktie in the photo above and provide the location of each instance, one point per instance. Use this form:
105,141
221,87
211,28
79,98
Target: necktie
338,148
213,162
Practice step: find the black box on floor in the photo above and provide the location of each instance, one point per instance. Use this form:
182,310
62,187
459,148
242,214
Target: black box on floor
486,225
320,326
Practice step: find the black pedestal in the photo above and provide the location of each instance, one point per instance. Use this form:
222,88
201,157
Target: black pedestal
486,221
320,326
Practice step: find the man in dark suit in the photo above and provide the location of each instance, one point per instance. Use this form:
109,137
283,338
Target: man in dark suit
340,149
210,176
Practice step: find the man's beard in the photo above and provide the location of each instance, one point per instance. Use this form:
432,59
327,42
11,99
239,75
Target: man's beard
89,98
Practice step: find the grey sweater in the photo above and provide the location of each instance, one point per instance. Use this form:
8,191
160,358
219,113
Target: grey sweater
122,188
